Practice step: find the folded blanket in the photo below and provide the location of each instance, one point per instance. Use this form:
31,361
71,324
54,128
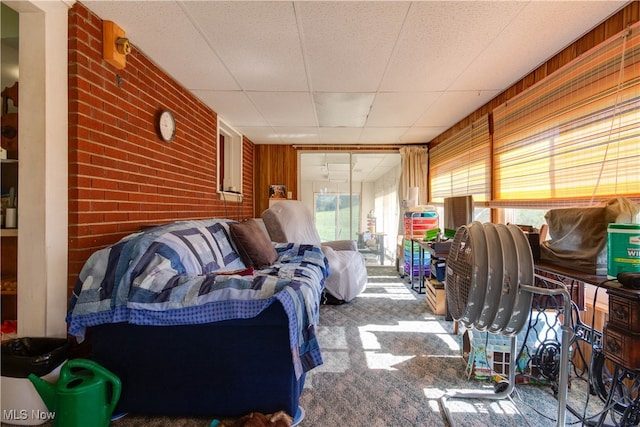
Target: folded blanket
183,273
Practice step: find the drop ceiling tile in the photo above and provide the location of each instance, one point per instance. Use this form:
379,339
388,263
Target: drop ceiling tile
260,134
347,44
285,108
381,135
440,39
339,135
222,49
298,134
399,108
342,109
506,61
178,48
257,41
234,107
445,112
421,134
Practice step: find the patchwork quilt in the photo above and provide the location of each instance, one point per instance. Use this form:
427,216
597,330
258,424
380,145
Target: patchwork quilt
189,272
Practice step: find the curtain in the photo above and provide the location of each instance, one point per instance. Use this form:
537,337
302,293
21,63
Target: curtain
415,167
576,134
461,164
415,163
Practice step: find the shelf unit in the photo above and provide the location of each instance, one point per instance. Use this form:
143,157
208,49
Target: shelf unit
416,260
9,232
371,224
436,296
416,264
436,293
9,250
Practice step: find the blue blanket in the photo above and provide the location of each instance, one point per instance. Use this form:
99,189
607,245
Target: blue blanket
189,273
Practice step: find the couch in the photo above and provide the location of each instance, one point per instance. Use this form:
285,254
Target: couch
292,221
202,318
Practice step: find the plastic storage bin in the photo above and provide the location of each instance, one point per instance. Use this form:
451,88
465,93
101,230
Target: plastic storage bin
21,403
623,249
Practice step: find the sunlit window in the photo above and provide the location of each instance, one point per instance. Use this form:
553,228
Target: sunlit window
571,138
575,135
461,165
229,159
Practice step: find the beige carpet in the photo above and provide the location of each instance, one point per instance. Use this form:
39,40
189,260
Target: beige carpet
387,362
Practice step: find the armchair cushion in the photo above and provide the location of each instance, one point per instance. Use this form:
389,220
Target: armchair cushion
292,221
342,245
347,273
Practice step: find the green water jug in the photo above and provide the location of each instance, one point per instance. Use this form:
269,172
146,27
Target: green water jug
84,396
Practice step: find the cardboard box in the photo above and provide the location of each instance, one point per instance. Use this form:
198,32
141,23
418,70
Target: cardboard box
488,355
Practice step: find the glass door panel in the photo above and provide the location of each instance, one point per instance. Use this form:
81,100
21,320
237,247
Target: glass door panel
326,215
353,196
335,215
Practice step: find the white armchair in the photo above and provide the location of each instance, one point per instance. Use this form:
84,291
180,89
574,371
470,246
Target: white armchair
292,221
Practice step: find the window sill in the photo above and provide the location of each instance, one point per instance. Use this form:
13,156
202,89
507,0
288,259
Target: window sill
228,196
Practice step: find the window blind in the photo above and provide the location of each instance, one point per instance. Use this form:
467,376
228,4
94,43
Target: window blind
576,134
461,164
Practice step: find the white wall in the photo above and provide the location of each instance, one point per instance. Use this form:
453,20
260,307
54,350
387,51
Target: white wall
43,167
387,210
367,200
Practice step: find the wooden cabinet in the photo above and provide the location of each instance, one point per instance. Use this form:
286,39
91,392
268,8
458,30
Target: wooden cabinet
623,309
622,332
436,296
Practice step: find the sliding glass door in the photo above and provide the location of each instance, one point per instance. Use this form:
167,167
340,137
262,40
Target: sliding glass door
353,196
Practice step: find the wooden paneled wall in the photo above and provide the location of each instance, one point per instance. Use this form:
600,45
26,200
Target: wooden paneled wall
273,164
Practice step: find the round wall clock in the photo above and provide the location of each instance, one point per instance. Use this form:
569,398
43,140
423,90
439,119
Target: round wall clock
166,125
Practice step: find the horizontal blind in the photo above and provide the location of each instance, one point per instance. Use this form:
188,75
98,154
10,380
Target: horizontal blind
577,133
461,164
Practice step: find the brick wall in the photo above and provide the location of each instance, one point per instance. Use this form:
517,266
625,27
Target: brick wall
121,175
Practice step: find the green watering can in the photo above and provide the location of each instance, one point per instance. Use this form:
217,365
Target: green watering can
84,396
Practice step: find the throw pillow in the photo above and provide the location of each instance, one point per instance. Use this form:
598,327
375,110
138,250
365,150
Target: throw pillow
254,247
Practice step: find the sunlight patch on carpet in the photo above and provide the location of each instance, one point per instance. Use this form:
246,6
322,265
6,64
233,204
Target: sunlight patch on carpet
370,340
333,361
384,361
477,406
387,277
452,343
433,393
393,291
332,337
